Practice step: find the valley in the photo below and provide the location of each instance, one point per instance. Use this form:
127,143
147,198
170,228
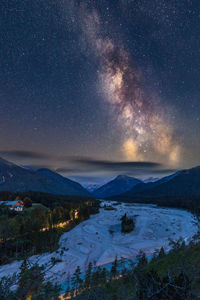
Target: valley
93,241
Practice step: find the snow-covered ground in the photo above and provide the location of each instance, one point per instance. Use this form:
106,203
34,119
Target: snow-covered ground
94,239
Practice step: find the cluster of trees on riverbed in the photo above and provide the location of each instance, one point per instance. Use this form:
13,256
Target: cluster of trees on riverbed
127,224
166,277
36,229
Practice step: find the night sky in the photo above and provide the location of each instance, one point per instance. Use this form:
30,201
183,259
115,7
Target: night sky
98,88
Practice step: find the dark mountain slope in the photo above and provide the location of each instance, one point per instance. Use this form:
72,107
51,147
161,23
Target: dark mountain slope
185,183
65,185
181,184
116,186
18,179
142,187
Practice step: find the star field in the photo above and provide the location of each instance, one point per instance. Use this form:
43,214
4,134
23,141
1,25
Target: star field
110,80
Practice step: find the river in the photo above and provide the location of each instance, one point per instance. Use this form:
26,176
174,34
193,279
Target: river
99,239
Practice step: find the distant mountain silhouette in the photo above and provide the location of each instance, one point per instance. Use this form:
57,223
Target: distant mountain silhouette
180,184
146,186
19,179
150,179
64,185
119,185
91,187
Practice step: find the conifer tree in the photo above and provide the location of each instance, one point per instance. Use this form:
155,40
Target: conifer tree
88,275
114,268
96,276
31,284
67,292
142,260
76,280
103,275
161,253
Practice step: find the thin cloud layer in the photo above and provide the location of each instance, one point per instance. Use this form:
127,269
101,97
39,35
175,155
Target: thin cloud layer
23,154
85,167
105,164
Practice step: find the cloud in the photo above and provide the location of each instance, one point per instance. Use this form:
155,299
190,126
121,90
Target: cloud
30,159
144,173
23,154
86,169
108,168
100,171
113,165
164,171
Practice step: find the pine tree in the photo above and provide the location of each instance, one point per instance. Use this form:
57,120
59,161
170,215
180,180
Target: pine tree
114,268
76,279
67,292
103,276
96,277
6,284
23,275
142,260
31,284
88,276
161,253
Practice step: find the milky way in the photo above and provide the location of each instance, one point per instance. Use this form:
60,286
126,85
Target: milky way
145,130
108,80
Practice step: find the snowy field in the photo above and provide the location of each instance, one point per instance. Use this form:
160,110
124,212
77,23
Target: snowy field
99,239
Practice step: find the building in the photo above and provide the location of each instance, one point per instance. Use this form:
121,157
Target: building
16,205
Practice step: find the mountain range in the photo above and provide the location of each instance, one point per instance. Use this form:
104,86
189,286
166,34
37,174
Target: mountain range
180,184
91,187
118,185
19,179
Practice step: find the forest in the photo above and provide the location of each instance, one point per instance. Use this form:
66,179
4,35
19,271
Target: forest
37,229
166,276
173,275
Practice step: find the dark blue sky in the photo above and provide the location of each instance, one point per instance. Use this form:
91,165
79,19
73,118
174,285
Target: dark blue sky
92,79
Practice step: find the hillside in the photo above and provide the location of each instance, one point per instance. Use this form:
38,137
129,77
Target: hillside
119,185
63,184
181,185
185,183
17,179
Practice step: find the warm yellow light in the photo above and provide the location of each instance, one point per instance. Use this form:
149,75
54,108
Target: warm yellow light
130,148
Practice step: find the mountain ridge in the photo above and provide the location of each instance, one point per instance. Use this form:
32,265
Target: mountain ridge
119,184
18,179
180,184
